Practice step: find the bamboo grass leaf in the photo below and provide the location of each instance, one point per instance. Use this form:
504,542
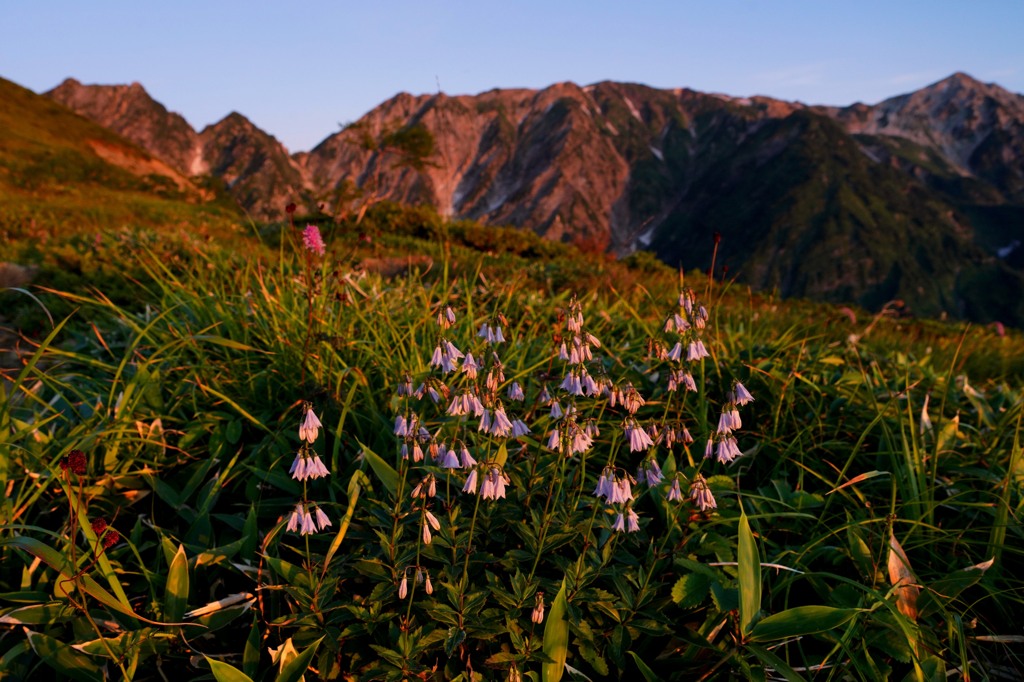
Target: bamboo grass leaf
556,638
749,570
225,672
176,592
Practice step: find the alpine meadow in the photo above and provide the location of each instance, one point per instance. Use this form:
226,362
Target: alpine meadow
572,384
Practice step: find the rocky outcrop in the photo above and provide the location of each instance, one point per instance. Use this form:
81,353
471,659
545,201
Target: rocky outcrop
257,169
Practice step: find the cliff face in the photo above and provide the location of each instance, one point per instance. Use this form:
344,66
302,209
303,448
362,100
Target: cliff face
910,198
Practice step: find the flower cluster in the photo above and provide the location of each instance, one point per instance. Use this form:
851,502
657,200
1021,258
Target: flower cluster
307,518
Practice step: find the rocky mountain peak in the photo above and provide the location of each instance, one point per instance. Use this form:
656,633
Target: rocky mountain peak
130,111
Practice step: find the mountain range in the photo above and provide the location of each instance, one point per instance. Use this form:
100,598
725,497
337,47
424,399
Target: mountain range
919,197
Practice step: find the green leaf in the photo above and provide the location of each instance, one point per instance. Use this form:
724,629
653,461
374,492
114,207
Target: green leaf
387,475
945,590
355,485
296,667
770,660
64,659
645,670
292,574
556,638
690,590
749,570
251,653
176,593
37,614
456,636
224,672
799,621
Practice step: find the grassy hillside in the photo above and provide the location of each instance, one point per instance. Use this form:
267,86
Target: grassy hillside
866,521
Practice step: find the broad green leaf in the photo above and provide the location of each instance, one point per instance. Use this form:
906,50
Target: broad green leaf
799,621
387,475
690,590
224,672
645,670
64,659
176,593
556,638
296,667
749,573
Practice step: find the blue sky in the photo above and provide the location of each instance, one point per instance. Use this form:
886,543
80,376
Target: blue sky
299,69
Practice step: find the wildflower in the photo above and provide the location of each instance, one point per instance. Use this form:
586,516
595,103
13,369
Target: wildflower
674,493
515,392
605,487
677,352
312,240
556,410
623,492
322,519
742,395
571,384
98,526
620,523
580,440
638,438
432,520
544,398
727,449
469,366
471,481
304,466
426,534
537,616
926,420
403,587
485,422
306,525
446,317
405,386
554,440
632,521
425,488
75,461
696,351
709,449
448,459
295,520
728,421
428,587
500,425
309,428
701,495
649,472
590,387
519,428
491,333
494,484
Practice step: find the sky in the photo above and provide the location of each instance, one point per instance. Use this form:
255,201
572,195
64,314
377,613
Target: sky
302,69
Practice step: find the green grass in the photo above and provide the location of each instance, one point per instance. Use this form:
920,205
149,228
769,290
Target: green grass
187,405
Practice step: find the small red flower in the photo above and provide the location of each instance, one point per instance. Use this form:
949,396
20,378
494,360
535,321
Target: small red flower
111,538
290,208
99,525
